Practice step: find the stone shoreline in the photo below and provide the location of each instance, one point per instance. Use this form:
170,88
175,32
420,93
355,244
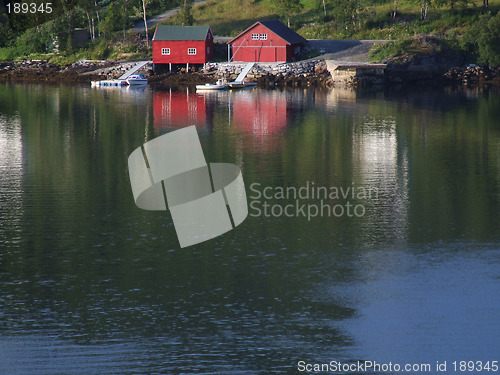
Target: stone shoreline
308,73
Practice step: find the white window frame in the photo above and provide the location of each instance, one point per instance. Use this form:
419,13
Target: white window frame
263,36
165,51
255,36
191,51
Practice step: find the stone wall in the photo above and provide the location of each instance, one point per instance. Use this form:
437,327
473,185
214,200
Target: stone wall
231,70
302,73
356,74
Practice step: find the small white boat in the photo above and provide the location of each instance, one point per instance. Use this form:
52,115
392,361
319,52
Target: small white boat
137,79
219,85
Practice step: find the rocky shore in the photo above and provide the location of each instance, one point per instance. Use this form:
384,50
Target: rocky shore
473,75
308,73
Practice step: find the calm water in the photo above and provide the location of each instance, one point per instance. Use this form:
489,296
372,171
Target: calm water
91,284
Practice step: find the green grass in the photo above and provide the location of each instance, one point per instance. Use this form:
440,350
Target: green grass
230,17
420,44
7,54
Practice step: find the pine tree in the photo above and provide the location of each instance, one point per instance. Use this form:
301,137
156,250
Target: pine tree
186,16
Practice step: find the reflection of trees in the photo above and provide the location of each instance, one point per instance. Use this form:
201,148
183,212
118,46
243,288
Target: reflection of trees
433,157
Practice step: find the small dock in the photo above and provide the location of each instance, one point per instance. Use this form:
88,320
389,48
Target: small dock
354,73
121,81
244,72
108,83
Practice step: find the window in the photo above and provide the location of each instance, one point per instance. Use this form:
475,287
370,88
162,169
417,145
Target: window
191,51
255,36
263,36
165,51
208,50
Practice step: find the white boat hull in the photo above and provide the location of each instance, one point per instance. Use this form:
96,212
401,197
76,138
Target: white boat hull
209,86
137,79
135,82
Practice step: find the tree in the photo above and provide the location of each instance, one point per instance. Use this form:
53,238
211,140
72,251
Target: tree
395,11
125,12
6,33
482,40
287,8
186,16
424,7
91,10
347,14
488,40
145,23
112,20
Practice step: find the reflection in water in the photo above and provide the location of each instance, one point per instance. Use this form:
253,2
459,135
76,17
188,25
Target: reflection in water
174,109
89,281
383,166
260,112
11,171
256,116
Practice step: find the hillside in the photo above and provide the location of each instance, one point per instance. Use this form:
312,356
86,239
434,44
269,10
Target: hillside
468,27
367,19
457,24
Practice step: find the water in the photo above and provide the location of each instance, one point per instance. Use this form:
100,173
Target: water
91,284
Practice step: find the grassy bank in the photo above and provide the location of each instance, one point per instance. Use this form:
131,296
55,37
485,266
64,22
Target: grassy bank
118,49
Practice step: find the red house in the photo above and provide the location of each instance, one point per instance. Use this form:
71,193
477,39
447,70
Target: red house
267,41
182,45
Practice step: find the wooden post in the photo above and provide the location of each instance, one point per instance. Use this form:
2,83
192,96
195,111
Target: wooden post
187,67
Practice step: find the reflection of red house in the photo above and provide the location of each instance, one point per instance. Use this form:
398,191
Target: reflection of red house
260,113
267,41
182,44
178,109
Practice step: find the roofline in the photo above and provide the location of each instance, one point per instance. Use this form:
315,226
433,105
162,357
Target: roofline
243,32
251,27
274,32
209,29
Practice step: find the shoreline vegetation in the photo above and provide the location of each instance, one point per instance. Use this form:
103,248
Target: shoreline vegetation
429,41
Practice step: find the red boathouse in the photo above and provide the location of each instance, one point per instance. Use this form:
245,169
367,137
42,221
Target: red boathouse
267,41
182,45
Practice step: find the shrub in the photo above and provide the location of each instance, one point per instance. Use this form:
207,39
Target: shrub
7,54
488,42
482,40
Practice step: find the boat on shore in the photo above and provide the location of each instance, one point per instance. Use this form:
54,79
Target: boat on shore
136,79
221,84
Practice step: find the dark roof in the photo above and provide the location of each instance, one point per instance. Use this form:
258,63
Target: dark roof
279,29
181,32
